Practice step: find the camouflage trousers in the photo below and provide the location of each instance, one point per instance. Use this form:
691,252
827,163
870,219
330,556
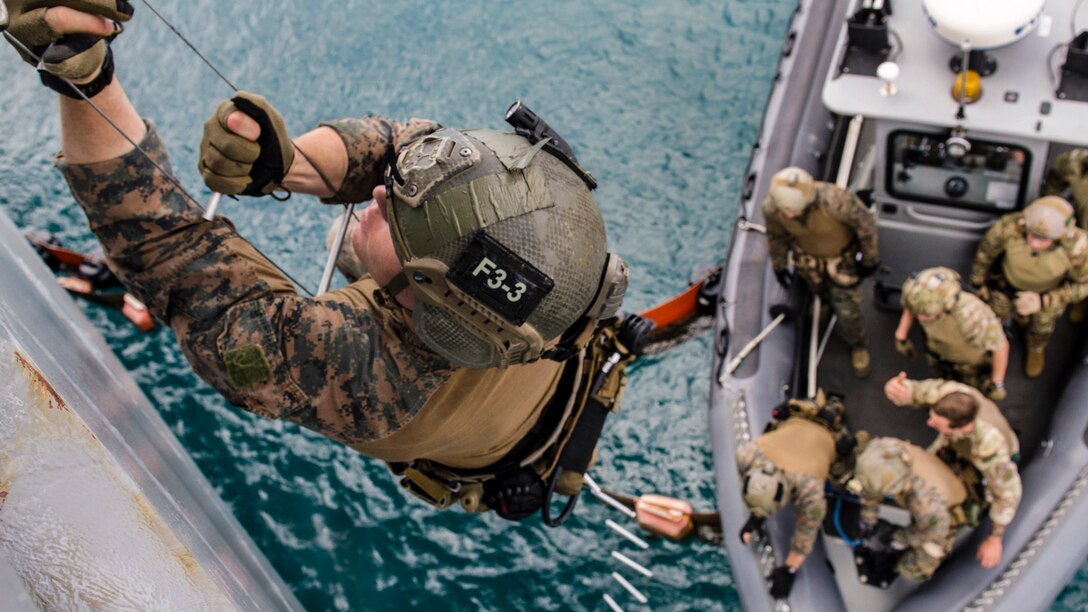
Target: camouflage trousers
917,565
845,301
1039,326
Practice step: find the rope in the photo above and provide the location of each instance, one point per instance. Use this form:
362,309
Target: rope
174,181
219,73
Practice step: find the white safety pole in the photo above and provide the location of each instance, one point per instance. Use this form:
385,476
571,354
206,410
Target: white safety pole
813,343
334,251
213,206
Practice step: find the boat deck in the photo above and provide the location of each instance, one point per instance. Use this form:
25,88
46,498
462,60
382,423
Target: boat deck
1028,406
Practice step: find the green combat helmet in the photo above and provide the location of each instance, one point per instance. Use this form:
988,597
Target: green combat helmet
502,244
1048,217
792,190
882,469
931,291
764,488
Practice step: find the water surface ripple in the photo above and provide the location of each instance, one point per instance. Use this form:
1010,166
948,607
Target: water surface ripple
661,101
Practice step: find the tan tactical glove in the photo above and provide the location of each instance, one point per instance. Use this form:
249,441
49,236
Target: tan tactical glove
1028,303
233,165
71,56
905,348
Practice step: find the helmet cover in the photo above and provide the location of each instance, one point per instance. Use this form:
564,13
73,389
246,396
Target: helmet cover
764,488
882,469
1048,217
931,291
503,245
792,190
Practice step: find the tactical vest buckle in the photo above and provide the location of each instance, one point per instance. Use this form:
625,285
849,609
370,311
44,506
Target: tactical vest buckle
438,493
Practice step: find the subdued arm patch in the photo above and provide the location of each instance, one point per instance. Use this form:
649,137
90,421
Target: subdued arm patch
246,366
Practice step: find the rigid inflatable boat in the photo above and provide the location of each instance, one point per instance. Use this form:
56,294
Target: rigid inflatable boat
866,97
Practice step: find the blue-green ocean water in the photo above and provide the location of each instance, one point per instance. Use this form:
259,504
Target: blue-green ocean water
660,100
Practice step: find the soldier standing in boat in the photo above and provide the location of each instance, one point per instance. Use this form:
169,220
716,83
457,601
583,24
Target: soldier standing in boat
964,338
479,354
833,240
919,483
1032,264
1068,177
976,441
788,464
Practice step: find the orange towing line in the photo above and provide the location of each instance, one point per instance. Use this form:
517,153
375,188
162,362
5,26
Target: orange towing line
89,277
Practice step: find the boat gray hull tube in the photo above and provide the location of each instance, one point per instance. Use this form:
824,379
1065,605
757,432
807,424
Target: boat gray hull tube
100,506
1046,543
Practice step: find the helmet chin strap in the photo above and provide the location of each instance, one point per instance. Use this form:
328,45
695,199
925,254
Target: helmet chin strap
393,288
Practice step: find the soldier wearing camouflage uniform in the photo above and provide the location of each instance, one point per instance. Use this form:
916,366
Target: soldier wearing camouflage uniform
919,483
832,238
1069,173
380,366
972,434
1068,177
788,464
964,339
1032,264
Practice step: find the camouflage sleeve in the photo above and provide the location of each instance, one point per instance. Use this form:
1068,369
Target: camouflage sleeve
1075,286
847,207
810,507
367,141
930,519
1003,487
1060,174
778,240
926,393
991,246
937,444
980,325
322,363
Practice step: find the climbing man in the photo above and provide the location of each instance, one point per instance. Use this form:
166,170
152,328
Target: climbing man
975,440
1032,264
832,238
919,483
479,353
804,444
964,339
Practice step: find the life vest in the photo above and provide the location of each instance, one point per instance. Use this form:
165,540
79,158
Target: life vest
945,338
821,234
1026,270
801,446
553,454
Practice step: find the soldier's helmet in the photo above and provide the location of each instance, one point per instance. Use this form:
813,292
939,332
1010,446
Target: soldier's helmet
1048,217
503,246
792,189
932,291
764,488
882,469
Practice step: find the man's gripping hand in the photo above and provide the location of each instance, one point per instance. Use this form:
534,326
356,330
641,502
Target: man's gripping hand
246,149
70,36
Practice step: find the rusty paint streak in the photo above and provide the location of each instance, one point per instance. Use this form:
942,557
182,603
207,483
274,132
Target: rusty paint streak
153,519
39,383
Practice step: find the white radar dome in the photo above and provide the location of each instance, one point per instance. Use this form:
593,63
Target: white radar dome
983,24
